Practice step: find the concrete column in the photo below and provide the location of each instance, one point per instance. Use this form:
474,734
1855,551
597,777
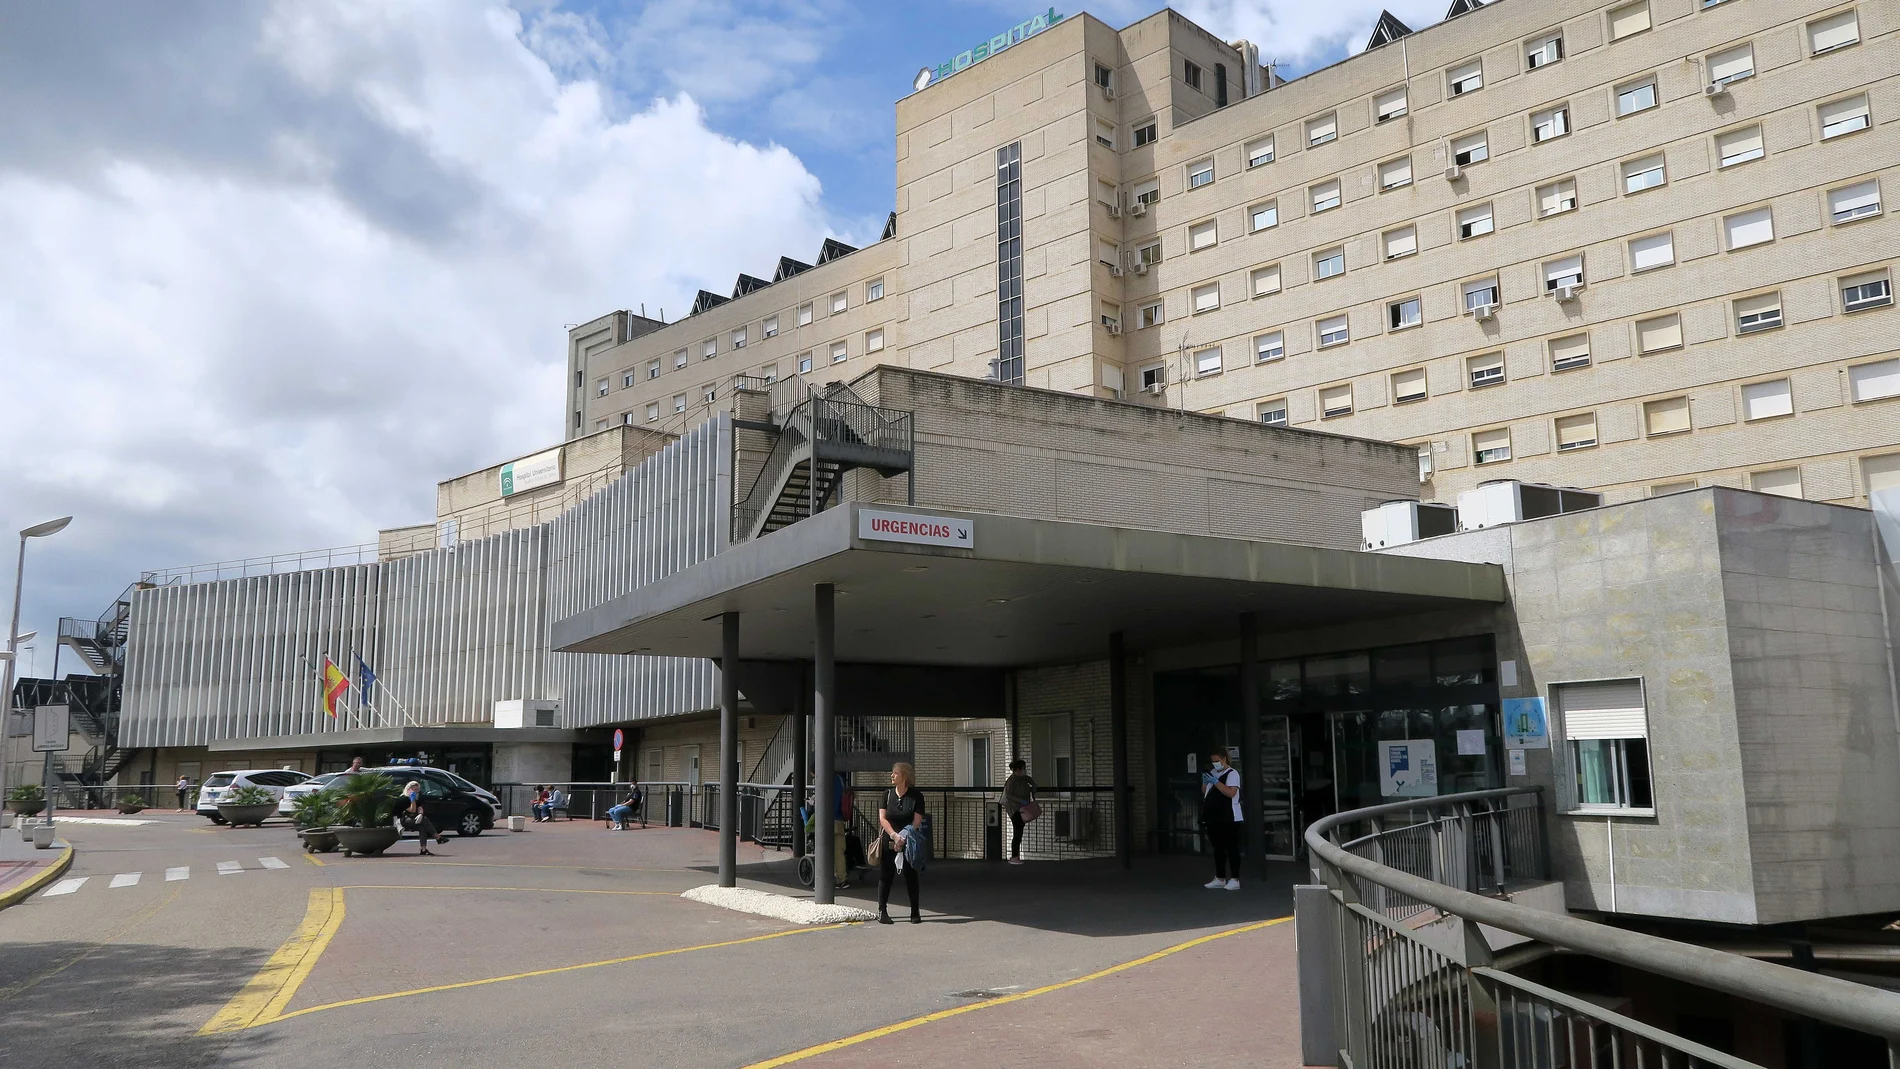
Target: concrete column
1253,850
825,743
729,750
801,753
1118,732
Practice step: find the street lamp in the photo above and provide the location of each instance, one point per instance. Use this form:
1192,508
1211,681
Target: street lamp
38,530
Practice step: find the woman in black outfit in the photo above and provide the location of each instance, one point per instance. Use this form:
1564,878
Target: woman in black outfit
903,807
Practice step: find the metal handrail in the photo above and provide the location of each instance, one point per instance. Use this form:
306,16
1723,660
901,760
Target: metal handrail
1824,998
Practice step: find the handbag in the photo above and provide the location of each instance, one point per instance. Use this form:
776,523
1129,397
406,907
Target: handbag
874,851
1030,810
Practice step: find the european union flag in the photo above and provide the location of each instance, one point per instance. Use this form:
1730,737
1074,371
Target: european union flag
364,674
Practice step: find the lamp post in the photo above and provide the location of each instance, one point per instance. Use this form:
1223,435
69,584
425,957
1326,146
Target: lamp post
38,530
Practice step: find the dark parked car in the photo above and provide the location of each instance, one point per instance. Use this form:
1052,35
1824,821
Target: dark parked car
449,805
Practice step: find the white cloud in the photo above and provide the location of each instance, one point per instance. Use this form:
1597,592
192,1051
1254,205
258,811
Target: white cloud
348,281
1300,36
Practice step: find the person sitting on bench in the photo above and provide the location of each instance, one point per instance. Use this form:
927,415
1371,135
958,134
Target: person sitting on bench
621,815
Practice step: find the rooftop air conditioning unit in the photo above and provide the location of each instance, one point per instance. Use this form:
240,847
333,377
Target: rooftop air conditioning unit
1138,209
1141,267
1569,290
1454,173
1155,388
1397,522
1484,313
1509,501
1714,89
1114,270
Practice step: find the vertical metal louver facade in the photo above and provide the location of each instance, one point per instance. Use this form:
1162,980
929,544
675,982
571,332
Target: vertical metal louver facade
449,632
1009,263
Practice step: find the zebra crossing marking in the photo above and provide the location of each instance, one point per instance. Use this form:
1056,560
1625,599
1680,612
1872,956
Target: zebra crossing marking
126,879
178,872
271,863
65,887
230,868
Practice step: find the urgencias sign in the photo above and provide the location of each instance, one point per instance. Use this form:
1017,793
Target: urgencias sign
877,525
1017,35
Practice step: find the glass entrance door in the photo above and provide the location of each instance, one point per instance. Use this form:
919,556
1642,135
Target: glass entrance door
1277,788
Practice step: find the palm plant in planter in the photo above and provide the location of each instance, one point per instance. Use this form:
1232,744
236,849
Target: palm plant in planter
314,814
26,799
130,802
368,804
247,805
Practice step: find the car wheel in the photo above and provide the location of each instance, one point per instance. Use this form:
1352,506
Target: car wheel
471,824
215,819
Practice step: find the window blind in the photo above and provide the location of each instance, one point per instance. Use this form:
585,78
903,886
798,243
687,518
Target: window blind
1408,385
1849,202
1401,242
1881,473
1749,228
1670,416
1612,709
1832,32
1732,64
1656,250
1843,116
1662,332
1763,399
1878,379
1201,235
1575,432
1783,481
1632,18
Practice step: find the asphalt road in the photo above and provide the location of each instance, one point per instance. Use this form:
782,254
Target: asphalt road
565,945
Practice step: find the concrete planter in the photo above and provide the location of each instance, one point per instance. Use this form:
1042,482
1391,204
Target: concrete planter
129,806
42,836
366,842
26,807
318,840
254,815
517,823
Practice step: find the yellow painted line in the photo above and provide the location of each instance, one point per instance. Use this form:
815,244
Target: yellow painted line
47,875
505,865
457,887
538,972
312,858
928,1018
267,993
137,919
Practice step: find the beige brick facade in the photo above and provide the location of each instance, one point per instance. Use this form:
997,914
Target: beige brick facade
1566,147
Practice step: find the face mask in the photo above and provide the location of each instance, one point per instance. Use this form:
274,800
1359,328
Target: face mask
1220,766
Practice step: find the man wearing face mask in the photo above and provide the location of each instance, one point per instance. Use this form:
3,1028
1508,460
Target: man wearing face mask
1220,815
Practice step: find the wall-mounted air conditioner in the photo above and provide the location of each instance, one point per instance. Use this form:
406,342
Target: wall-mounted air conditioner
1509,501
1454,173
1568,291
1138,209
1141,267
1714,89
1156,388
1397,522
1483,313
1114,271
1114,211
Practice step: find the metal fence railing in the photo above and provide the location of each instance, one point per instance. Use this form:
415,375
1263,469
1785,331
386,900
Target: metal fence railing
1412,981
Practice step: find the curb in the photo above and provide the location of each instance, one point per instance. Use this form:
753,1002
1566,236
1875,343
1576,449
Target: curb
46,876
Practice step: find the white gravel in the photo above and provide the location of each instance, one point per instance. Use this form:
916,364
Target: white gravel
781,907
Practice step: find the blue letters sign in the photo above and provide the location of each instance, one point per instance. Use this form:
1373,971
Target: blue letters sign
1017,35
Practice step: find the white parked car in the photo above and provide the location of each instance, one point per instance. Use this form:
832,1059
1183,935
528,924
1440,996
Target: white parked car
219,785
298,790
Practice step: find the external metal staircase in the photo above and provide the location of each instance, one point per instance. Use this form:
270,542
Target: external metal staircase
92,701
818,442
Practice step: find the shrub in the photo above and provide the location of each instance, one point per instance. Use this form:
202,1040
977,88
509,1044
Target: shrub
249,795
318,809
367,799
26,792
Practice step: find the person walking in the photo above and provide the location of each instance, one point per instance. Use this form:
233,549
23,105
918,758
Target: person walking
415,817
1019,795
1220,815
183,787
900,816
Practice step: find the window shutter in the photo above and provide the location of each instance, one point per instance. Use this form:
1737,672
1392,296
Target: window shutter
1739,146
1732,63
1628,20
1401,242
1490,364
1207,297
1763,399
1766,302
1558,272
1322,129
1575,347
1488,441
1849,114
1201,235
1854,200
1336,400
1396,173
1881,473
1609,710
1391,104
1833,32
1409,385
1670,416
1878,379
1783,481
1266,280
1662,332
1749,228
1656,250
1574,432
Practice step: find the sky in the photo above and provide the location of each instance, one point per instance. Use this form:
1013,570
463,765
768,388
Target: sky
270,270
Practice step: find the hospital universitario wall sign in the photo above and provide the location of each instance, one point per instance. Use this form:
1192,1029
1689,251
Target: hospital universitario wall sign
1016,35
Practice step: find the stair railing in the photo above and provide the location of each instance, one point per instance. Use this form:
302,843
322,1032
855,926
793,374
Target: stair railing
793,436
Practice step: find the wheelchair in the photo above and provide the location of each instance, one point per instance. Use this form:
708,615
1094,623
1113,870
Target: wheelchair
856,867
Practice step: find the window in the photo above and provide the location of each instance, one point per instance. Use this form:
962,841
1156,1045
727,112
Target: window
1264,216
1111,317
679,402
1669,416
1154,377
1635,97
1333,331
1400,242
1207,298
1646,173
1325,196
1661,489
1854,202
653,411
1148,315
839,350
626,420
1738,146
600,388
1491,447
1659,334
1104,77
1268,347
1408,386
1844,116
1191,74
1732,64
1202,235
1474,222
1565,272
653,369
1321,130
1749,228
1861,292
1761,312
1150,191
1606,732
977,761
1835,31
1405,313
1335,401
1265,280
738,338
804,314
628,379
1108,252
1469,149
837,303
679,359
1207,361
1011,322
1201,174
1145,134
1628,20
1570,352
1880,473
804,363
1871,382
1543,51
1485,370
874,340
1273,413
1466,78
874,290
1480,293
1550,124
1395,173
1149,254
1656,250
1783,481
1557,198
1259,152
1576,432
1329,264
1104,133
709,394
1765,400
769,373
1389,105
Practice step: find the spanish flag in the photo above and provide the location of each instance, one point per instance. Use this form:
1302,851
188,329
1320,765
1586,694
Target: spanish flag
334,684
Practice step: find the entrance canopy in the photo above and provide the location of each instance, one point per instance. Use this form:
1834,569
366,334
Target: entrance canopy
926,587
